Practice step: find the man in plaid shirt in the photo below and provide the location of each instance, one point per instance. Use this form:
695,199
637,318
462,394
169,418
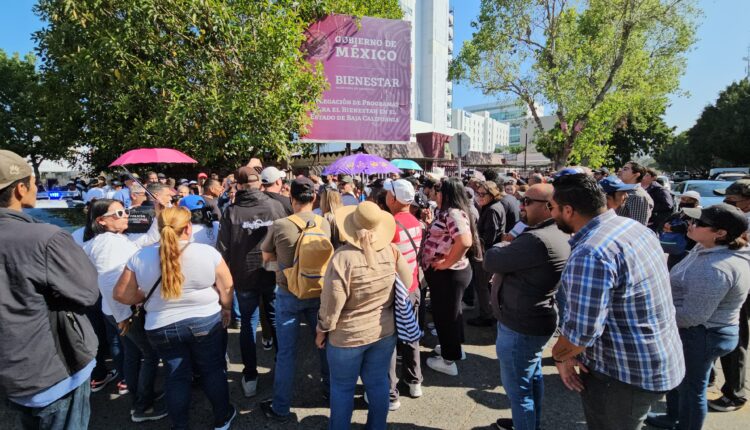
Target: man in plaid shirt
639,204
619,319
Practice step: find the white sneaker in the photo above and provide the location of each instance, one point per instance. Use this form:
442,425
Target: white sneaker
249,387
438,351
415,390
392,406
439,365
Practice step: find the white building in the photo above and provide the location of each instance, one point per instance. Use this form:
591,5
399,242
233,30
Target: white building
485,133
515,113
432,52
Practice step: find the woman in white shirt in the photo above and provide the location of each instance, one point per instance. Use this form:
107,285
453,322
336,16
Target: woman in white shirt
187,314
109,250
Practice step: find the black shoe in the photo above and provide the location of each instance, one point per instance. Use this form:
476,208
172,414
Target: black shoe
268,411
725,404
660,421
504,424
481,322
236,324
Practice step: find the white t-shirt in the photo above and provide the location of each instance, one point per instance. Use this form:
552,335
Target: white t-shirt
148,238
78,236
109,252
205,235
198,299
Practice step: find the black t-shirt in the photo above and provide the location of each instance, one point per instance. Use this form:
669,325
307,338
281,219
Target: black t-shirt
140,218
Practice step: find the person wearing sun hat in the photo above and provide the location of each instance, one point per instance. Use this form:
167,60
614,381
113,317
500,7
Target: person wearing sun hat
356,322
708,288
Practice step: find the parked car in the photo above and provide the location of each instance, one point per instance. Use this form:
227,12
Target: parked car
730,176
680,176
716,171
703,187
58,213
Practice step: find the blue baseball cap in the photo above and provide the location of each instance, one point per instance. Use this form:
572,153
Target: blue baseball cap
568,171
612,184
192,202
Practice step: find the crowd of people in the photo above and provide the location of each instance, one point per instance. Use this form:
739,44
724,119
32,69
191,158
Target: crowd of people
639,295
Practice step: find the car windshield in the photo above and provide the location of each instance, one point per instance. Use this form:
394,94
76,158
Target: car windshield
706,189
69,219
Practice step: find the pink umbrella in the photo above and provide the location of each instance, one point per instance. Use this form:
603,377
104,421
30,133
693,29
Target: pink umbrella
152,156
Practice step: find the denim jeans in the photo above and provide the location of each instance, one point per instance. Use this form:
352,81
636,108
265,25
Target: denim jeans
289,312
96,318
235,307
116,345
70,412
369,362
140,366
701,347
250,311
193,343
520,358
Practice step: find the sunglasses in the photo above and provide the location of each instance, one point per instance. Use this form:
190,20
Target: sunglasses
733,202
120,213
482,194
701,223
527,201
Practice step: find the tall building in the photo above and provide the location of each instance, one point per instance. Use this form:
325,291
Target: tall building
515,113
485,133
432,52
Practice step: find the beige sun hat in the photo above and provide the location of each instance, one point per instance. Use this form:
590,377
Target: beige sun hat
365,216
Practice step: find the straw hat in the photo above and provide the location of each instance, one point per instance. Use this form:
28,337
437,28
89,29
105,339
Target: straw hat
367,216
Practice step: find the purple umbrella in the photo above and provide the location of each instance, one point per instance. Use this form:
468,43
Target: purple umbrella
361,164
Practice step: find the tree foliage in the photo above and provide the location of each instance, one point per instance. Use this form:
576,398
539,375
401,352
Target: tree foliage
724,127
29,113
594,61
638,136
719,138
222,81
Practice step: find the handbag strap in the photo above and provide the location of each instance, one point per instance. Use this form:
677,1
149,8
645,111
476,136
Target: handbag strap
413,245
148,296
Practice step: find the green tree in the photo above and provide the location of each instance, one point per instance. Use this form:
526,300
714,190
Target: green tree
593,61
638,136
724,127
28,113
222,81
679,154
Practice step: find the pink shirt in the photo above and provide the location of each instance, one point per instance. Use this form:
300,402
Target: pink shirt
401,240
442,235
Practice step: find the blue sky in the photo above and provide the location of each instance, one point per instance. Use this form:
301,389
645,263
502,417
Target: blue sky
714,62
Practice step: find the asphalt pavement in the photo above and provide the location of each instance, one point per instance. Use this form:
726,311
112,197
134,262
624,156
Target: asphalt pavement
472,400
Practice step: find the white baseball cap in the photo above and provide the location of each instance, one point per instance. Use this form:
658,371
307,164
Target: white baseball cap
402,189
269,175
692,195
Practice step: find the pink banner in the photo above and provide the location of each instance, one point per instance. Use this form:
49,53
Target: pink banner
368,65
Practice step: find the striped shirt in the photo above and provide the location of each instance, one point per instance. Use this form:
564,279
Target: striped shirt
401,240
619,304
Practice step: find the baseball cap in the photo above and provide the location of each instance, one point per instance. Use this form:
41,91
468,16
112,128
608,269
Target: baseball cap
130,177
402,189
246,175
612,184
202,175
183,181
346,179
602,170
161,176
12,168
193,182
192,202
739,187
116,183
301,185
722,216
269,175
692,195
568,171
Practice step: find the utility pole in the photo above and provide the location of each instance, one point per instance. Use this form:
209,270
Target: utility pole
460,154
525,150
747,60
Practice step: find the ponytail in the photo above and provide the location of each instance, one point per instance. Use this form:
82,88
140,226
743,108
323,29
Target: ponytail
172,223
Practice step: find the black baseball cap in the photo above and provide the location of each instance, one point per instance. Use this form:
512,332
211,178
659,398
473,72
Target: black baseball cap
301,185
721,216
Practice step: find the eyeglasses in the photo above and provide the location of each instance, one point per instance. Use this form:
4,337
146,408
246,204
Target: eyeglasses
549,206
527,201
120,213
482,194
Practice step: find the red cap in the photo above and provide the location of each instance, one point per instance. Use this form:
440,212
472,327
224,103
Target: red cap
202,175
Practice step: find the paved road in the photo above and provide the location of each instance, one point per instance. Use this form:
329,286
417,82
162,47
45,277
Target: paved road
473,400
